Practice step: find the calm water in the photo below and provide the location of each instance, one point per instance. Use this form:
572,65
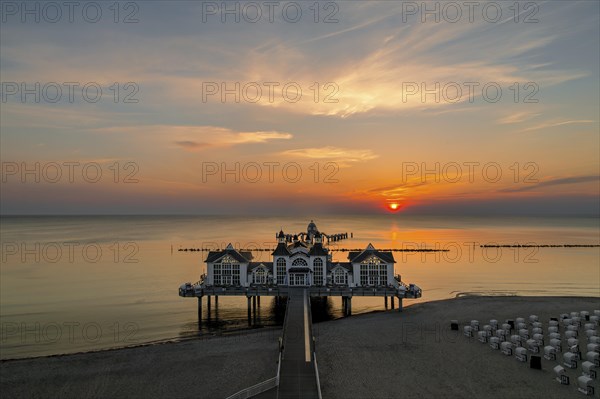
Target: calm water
71,284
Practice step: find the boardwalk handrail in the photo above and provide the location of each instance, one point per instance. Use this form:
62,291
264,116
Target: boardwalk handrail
314,349
317,374
284,322
256,389
260,387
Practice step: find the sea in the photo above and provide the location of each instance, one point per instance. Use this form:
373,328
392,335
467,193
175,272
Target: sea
72,284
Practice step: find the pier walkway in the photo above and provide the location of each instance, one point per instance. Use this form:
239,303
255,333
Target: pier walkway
297,374
298,378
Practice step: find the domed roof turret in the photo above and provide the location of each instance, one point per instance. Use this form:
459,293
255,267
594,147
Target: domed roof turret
311,230
281,235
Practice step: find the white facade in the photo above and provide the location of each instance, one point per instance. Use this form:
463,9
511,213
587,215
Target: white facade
301,262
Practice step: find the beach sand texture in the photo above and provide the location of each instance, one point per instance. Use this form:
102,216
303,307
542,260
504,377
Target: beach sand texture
381,355
204,368
400,355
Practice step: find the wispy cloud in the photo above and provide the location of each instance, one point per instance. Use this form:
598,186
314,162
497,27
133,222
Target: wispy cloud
196,138
331,153
552,182
517,117
556,123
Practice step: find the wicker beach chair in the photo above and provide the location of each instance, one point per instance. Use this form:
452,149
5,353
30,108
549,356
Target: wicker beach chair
467,331
557,343
533,346
549,352
585,315
593,357
570,334
561,375
524,333
482,336
501,334
585,386
516,340
521,354
589,369
507,348
570,360
495,343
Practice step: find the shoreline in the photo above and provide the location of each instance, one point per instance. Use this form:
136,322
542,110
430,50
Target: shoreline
166,341
254,330
373,354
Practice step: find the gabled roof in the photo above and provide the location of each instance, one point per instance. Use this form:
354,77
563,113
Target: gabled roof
254,265
317,250
281,250
297,244
345,265
240,256
357,257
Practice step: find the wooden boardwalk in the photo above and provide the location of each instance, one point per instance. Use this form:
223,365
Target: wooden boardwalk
298,377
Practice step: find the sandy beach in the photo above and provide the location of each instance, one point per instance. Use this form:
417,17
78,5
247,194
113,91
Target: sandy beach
380,355
205,368
415,354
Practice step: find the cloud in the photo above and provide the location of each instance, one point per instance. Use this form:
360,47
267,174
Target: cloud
187,144
368,58
553,182
195,138
219,137
517,117
258,137
556,123
332,153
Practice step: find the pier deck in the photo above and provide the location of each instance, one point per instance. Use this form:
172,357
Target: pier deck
203,290
298,376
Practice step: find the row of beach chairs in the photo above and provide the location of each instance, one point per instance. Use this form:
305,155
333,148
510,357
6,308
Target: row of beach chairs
525,339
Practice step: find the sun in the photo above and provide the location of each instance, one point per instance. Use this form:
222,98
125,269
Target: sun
394,206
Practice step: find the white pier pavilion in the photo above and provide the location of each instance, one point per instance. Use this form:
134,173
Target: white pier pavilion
301,260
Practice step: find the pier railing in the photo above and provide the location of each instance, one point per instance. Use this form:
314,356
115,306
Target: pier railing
259,388
402,291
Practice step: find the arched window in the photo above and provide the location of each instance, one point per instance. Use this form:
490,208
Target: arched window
299,262
260,276
340,277
318,269
281,272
